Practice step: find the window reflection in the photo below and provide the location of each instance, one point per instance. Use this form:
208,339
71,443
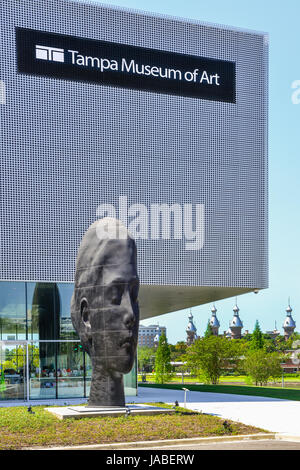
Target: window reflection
13,364
58,368
42,370
70,370
130,380
66,329
44,320
12,311
43,309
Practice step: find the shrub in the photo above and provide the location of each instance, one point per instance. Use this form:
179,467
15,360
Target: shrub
260,366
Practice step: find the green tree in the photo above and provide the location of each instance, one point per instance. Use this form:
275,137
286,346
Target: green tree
275,369
177,350
294,337
163,368
208,358
281,344
247,337
2,381
16,358
145,358
208,331
269,344
257,340
260,366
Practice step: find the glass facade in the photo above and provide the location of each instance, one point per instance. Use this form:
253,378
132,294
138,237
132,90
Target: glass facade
40,352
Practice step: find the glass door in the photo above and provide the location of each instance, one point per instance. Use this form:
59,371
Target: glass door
13,370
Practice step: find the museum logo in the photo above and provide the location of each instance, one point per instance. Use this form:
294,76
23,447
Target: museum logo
49,53
121,65
125,66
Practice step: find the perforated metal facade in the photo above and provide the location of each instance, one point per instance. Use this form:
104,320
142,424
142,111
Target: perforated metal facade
68,146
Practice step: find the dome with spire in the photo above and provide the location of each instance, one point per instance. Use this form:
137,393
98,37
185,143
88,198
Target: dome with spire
214,322
213,309
289,309
191,326
236,309
289,322
236,321
191,331
236,324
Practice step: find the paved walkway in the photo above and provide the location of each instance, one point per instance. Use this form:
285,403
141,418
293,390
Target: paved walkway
270,414
244,445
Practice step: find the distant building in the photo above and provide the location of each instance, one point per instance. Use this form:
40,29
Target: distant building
157,337
289,324
273,333
214,322
235,326
191,331
228,333
149,334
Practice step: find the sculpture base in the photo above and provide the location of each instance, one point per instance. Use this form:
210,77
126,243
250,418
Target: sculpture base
64,412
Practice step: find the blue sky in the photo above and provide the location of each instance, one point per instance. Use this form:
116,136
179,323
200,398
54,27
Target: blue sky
281,20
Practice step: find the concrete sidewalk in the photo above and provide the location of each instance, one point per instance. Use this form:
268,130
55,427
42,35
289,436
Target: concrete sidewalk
270,414
167,443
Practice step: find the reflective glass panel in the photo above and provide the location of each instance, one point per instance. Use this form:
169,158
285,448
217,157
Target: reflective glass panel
12,371
70,370
66,330
12,311
56,369
42,367
130,381
43,310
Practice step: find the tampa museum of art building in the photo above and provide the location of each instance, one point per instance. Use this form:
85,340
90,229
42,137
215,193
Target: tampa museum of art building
104,107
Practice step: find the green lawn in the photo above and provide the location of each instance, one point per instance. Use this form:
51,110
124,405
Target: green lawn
240,379
272,392
20,429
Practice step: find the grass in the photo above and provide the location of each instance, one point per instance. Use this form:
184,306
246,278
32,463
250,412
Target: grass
288,379
271,392
240,379
20,429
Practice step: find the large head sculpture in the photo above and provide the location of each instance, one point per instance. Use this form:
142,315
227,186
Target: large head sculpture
104,307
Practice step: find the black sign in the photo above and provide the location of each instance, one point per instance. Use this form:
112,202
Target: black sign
106,63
